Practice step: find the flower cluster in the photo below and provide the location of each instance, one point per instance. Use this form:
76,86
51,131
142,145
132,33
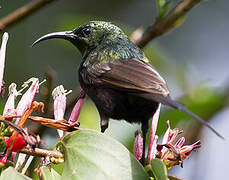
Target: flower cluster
59,96
14,135
171,151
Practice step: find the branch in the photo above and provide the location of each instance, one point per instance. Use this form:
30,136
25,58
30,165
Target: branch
22,13
42,153
164,25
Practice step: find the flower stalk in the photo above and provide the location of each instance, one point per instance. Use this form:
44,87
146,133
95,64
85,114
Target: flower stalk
2,59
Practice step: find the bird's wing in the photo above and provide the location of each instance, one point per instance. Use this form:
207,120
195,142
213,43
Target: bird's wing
131,74
135,75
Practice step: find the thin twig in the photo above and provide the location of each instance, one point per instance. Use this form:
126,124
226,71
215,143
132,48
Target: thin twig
42,152
22,12
164,25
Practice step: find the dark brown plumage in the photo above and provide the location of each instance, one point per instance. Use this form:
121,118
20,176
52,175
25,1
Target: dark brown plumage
118,77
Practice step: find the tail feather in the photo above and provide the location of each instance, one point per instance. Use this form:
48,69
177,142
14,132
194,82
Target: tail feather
175,105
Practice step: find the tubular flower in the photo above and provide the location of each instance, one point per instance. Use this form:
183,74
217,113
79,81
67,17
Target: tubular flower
9,109
177,154
59,96
2,59
138,145
73,119
152,138
168,138
180,142
185,151
77,108
154,148
28,96
171,152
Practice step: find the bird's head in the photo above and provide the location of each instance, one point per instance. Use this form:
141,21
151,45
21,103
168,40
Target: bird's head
88,36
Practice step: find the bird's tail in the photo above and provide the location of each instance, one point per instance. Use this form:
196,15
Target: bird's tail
175,105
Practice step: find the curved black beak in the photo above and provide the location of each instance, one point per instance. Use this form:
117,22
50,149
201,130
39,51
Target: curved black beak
67,35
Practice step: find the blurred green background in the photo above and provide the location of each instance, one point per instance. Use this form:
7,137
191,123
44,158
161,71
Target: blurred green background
193,59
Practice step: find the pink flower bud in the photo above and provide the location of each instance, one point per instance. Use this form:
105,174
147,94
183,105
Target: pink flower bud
59,105
180,142
77,108
13,156
153,149
138,145
168,138
2,59
176,153
10,103
152,133
28,97
172,135
165,138
185,151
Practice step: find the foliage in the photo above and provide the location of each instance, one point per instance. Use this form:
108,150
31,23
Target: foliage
12,173
90,151
159,170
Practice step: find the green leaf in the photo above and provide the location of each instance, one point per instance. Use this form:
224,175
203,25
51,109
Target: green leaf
162,7
48,174
12,174
159,169
58,167
92,155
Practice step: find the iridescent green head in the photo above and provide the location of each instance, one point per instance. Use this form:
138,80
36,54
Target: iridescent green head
89,35
95,32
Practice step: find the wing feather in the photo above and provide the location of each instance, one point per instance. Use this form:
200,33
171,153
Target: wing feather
131,74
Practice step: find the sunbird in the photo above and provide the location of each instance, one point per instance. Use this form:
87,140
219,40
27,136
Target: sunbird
118,77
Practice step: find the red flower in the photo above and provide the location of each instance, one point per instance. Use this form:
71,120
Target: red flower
18,145
3,160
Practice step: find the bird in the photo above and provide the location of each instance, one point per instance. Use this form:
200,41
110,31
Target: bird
118,77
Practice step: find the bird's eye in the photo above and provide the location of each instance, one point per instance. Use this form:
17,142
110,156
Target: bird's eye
86,32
